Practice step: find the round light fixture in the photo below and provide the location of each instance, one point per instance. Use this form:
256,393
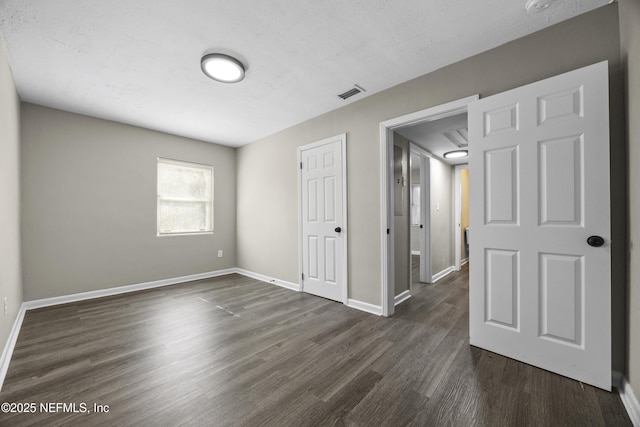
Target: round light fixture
222,68
455,154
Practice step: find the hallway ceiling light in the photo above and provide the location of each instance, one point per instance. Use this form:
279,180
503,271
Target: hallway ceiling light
222,68
455,154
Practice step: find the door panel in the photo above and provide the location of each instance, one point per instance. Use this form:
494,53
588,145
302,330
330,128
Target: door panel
539,177
501,177
313,260
561,181
501,288
322,204
561,290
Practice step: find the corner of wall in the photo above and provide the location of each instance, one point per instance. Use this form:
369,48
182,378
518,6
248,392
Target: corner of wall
11,296
629,17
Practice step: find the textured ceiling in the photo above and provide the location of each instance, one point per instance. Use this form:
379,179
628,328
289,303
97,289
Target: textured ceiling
138,62
436,136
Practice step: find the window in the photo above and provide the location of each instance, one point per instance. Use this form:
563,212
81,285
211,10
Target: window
185,198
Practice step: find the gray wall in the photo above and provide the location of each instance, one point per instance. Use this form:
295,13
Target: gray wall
441,216
630,49
441,185
10,267
89,205
267,174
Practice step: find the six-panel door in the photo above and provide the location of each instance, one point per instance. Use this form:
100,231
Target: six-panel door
539,169
322,219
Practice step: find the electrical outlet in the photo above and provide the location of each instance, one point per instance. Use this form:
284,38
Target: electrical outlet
220,253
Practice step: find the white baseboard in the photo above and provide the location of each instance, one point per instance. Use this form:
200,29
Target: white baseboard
402,297
65,299
627,396
263,278
5,359
364,306
415,253
358,305
442,274
464,261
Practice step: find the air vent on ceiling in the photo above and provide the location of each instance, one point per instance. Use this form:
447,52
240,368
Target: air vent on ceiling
458,137
351,92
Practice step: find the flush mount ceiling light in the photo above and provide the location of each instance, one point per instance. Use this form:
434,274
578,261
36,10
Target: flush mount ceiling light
535,6
455,154
222,68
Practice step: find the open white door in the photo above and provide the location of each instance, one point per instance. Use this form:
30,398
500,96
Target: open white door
424,202
323,218
425,219
540,278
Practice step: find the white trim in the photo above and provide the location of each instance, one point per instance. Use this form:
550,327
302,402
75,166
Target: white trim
464,261
426,247
386,228
345,220
627,396
209,202
352,303
420,151
457,214
47,302
267,279
364,306
10,345
402,297
195,233
344,276
7,352
386,195
443,273
415,253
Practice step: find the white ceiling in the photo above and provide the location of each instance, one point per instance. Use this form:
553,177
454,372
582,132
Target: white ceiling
138,61
435,136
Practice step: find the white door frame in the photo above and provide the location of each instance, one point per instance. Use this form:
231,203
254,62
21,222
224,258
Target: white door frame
343,271
386,181
457,219
425,211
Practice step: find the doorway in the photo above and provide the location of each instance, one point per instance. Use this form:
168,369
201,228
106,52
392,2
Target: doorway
387,130
461,212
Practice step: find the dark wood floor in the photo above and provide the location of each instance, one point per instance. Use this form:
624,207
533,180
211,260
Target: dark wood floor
236,351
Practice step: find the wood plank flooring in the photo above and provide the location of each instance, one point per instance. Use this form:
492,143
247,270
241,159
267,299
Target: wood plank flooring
233,351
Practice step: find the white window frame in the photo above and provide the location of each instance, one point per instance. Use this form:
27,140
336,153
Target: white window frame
159,198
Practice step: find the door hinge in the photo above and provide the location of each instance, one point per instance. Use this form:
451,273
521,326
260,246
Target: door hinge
300,165
303,277
388,231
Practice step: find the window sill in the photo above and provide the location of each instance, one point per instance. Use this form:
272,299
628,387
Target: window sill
198,233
